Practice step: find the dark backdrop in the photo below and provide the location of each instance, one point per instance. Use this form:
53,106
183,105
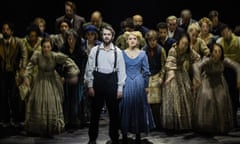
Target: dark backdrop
21,12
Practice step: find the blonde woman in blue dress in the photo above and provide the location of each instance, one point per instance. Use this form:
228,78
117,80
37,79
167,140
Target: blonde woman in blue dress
135,112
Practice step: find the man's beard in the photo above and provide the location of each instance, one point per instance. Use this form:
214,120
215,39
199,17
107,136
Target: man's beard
107,42
137,26
69,17
6,36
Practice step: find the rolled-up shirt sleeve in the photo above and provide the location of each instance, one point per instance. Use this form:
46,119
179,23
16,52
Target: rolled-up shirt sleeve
90,67
121,69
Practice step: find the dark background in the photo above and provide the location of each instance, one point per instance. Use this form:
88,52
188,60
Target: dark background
153,11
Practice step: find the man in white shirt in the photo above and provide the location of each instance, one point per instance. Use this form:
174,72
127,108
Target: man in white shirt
105,76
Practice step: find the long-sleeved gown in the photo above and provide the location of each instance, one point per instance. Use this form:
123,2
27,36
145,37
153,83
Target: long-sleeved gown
44,114
212,112
135,112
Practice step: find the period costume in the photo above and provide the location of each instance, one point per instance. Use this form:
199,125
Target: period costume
177,94
212,111
74,98
44,114
13,58
135,112
105,73
156,59
231,49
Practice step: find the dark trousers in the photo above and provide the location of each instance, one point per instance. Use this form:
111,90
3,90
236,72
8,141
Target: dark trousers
11,105
105,86
230,76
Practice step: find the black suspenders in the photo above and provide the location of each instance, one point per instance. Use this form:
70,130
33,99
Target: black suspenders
115,59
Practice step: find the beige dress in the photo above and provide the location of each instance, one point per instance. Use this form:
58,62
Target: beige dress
177,95
44,115
201,47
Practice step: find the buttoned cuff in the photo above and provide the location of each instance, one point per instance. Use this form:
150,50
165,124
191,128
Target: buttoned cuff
90,84
120,88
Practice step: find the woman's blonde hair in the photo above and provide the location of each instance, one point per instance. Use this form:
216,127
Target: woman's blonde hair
193,26
205,20
138,34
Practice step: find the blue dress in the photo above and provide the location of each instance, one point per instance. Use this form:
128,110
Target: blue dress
135,112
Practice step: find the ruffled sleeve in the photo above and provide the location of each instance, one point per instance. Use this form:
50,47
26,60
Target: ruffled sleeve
171,63
30,66
68,63
197,68
234,65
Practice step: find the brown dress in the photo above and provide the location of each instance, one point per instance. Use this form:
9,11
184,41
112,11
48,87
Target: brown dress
213,109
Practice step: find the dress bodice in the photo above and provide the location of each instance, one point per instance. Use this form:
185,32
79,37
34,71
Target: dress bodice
134,66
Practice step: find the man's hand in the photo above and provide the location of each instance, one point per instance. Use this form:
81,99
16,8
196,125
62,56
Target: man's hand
119,95
160,81
73,80
91,92
169,80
